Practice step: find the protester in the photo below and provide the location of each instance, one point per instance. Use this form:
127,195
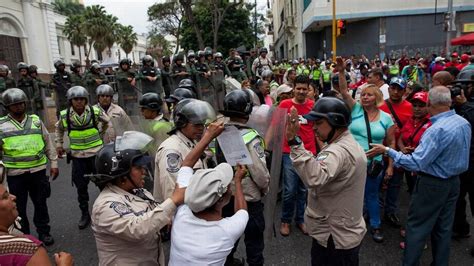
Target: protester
22,249
370,124
442,155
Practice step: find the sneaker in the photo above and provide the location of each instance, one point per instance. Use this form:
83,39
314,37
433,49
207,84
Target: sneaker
377,235
47,239
285,229
392,219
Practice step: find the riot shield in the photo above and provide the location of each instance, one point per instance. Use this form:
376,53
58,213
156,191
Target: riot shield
206,90
270,122
175,80
231,84
217,80
128,97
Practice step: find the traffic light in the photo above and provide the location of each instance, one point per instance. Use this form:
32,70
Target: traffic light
341,27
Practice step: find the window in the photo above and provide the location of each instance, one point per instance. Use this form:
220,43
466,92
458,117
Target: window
306,3
59,45
73,51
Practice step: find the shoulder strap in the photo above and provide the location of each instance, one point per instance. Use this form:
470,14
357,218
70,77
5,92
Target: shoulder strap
412,136
367,126
392,111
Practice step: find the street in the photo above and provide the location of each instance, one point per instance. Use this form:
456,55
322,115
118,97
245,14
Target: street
292,250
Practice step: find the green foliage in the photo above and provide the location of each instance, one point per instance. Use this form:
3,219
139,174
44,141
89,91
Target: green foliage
166,19
67,7
127,38
236,29
158,45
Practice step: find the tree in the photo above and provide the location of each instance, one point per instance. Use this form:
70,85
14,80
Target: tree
75,33
167,19
67,7
235,30
189,13
219,10
127,38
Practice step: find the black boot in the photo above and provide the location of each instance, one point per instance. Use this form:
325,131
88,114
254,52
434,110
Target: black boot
85,220
47,239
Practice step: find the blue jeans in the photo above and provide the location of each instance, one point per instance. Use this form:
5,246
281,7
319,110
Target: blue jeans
371,199
294,193
393,192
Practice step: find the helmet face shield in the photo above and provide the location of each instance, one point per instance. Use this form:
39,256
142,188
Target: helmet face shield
133,140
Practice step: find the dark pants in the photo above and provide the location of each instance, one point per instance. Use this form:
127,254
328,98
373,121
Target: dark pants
322,256
461,225
431,211
37,186
254,242
410,177
80,168
393,192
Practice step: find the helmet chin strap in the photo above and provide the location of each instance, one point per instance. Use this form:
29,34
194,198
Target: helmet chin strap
330,135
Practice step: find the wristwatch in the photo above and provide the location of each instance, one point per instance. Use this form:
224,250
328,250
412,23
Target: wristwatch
386,151
295,141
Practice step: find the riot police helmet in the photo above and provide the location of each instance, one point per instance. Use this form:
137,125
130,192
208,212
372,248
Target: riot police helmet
180,94
191,54
152,101
77,92
13,96
238,103
58,63
75,65
200,53
166,59
333,109
22,65
95,67
104,89
263,50
335,78
115,159
193,111
33,69
188,84
147,59
218,55
4,68
208,51
125,61
178,57
465,76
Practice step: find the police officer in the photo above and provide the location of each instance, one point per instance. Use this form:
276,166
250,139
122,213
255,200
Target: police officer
105,103
93,79
60,83
335,179
326,72
235,65
150,76
39,87
261,62
191,60
127,94
191,115
178,95
218,64
165,76
6,81
76,76
178,69
238,107
25,83
26,149
85,125
202,67
126,219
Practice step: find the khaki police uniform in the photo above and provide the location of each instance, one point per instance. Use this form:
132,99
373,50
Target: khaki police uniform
114,112
26,149
168,160
127,227
336,180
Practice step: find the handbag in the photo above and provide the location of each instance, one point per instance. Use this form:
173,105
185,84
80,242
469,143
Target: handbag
375,167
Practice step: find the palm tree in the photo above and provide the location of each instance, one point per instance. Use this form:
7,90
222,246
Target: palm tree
67,7
75,33
96,27
127,38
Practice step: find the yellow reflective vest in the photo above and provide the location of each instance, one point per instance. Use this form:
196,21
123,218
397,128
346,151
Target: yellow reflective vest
83,135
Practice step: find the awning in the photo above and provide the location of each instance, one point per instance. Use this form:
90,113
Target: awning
108,62
467,39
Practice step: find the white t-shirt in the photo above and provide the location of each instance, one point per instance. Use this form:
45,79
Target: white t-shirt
195,241
384,90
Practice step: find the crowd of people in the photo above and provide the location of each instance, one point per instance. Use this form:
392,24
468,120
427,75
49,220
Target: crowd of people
355,129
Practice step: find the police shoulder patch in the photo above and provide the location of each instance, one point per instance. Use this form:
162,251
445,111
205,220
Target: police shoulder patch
173,162
322,156
120,208
259,149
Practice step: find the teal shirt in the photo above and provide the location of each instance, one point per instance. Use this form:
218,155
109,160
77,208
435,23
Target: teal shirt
378,128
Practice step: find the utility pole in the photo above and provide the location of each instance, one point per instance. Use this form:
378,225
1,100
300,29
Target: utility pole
334,30
255,24
450,27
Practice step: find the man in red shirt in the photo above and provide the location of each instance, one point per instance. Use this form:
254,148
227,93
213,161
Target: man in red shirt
454,60
294,191
464,61
438,65
401,111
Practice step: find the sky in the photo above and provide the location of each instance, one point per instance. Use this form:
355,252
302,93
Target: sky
135,12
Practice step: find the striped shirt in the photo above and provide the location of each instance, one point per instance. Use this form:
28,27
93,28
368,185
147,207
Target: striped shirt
17,250
443,149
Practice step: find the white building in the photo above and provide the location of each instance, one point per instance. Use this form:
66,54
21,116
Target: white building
31,32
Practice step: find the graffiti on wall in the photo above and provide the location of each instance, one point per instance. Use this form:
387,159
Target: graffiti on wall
426,51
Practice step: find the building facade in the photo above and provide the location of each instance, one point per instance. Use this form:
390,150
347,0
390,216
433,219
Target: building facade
382,28
287,34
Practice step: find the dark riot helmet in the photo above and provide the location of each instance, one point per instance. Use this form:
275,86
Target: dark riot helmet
13,96
59,63
180,94
152,101
333,109
238,103
77,92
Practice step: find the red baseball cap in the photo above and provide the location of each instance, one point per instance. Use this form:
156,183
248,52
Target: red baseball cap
420,96
464,57
454,54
